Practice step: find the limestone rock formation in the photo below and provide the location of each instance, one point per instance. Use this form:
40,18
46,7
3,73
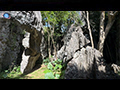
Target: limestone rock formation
30,21
10,43
88,63
73,41
83,61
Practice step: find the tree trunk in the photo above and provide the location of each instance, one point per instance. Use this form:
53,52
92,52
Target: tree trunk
91,38
55,50
102,33
49,49
109,25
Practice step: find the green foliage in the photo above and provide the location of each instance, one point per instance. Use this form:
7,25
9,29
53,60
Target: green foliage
46,61
59,20
50,66
54,69
7,74
57,75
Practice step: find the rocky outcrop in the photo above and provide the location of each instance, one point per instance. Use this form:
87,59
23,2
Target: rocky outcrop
73,41
82,64
11,36
31,53
88,63
30,23
83,61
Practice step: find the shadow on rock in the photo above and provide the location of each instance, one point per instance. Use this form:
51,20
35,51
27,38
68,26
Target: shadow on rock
96,70
37,66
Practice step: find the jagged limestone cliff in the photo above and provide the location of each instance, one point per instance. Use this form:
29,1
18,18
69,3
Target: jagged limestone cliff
27,23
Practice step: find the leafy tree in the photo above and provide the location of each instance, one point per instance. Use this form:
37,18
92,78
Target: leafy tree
55,25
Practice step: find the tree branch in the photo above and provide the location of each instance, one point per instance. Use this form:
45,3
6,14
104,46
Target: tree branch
101,33
91,38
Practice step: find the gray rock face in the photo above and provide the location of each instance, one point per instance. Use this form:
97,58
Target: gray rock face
88,63
31,53
83,61
10,43
30,21
83,65
73,41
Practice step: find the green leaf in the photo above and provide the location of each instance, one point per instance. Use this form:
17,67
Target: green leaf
54,62
50,66
55,68
46,61
15,68
59,60
18,69
6,71
57,76
49,75
60,66
12,72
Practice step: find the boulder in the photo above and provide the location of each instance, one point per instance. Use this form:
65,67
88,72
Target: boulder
31,22
73,41
31,25
81,64
10,43
31,53
88,63
83,61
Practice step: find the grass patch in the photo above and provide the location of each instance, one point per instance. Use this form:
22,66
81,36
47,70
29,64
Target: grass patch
38,74
16,74
48,70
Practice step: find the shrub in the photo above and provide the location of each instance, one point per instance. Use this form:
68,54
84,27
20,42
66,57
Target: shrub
10,73
46,61
54,69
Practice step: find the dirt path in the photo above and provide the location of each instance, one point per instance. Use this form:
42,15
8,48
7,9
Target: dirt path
37,74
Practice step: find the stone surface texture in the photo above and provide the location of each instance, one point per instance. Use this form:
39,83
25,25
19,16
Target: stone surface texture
31,25
83,61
